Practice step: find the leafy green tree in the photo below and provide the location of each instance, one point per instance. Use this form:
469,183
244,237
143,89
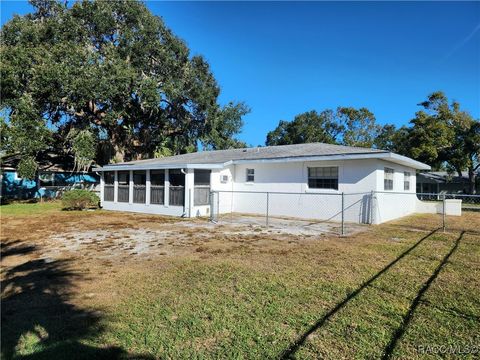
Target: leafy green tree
347,126
306,128
113,72
359,126
392,139
221,131
26,134
442,133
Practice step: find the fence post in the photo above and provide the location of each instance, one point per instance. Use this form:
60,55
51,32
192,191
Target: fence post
268,199
343,214
443,213
218,206
210,202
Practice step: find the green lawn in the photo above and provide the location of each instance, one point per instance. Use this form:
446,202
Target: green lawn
225,309
25,209
384,293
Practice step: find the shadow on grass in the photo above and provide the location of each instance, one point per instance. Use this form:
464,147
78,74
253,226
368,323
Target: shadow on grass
38,321
293,348
413,306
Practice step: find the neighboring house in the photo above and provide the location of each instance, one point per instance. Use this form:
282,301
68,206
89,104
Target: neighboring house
54,177
180,185
436,182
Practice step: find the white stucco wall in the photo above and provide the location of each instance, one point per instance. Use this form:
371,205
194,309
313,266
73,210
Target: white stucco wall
395,203
223,200
357,176
353,176
144,208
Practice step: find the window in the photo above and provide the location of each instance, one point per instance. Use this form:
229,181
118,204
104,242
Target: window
157,187
177,187
108,177
123,190
157,177
201,177
323,177
123,178
406,180
388,179
176,177
139,178
108,190
201,191
250,175
139,187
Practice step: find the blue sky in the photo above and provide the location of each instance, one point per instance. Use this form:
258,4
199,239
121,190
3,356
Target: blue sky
284,58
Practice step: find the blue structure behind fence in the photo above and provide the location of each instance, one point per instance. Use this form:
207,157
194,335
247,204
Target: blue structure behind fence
49,185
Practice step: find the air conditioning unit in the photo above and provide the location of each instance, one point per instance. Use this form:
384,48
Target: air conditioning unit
223,179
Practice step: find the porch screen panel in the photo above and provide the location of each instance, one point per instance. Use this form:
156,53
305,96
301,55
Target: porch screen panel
139,186
108,186
177,187
157,187
123,186
201,180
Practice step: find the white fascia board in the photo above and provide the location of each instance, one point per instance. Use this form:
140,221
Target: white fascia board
404,160
388,156
150,166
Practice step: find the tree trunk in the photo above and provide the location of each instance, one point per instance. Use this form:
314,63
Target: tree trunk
471,178
119,153
117,144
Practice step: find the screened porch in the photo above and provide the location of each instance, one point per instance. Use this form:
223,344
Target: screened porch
162,187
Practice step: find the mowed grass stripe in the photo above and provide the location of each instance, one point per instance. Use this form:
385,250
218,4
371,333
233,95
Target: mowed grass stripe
371,313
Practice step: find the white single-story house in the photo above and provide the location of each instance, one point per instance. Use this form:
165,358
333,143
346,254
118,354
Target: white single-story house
304,180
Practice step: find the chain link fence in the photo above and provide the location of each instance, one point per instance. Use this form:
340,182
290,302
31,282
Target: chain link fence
345,213
449,212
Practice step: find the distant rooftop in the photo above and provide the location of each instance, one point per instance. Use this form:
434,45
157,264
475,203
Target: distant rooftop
444,177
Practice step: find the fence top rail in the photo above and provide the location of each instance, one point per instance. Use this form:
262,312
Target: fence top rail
440,195
290,193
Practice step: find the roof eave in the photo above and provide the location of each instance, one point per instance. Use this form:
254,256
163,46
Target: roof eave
150,166
406,161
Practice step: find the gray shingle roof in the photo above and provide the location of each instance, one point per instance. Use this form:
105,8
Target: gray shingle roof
267,152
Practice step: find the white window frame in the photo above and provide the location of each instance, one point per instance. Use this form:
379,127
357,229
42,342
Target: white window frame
323,188
386,172
249,173
406,180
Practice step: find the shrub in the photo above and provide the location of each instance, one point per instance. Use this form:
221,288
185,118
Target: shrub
78,199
